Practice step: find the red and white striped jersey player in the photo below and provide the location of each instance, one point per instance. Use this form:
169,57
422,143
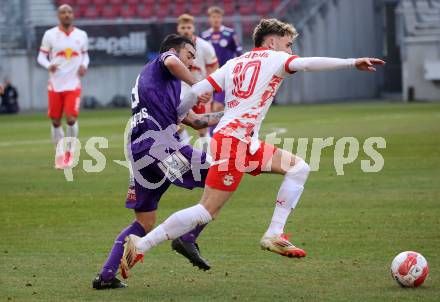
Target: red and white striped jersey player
250,82
63,53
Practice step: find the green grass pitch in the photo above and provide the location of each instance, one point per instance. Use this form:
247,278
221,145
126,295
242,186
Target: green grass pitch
55,234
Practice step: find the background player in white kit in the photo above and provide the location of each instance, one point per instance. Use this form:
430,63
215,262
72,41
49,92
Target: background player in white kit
204,64
63,53
250,82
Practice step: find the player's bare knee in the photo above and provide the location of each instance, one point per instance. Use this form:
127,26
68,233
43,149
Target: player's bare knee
147,220
148,225
216,107
212,209
56,123
71,120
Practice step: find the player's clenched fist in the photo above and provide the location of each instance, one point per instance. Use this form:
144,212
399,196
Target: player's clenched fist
82,70
53,68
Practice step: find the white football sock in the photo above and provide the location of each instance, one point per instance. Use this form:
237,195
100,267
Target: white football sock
57,135
72,131
175,226
288,196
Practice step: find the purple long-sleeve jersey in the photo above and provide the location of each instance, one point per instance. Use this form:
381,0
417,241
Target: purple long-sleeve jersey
225,43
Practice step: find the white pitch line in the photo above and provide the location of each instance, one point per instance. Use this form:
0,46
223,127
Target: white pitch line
47,141
22,143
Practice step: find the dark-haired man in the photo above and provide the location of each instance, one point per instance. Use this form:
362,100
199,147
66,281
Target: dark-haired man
250,82
158,158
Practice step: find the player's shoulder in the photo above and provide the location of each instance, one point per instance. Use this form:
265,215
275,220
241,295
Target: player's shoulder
206,46
81,32
206,33
52,30
228,30
203,43
274,54
163,56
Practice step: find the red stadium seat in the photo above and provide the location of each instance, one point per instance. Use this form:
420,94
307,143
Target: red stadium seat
179,8
79,11
134,2
263,8
91,12
145,11
116,2
248,28
148,2
83,2
196,8
70,2
163,8
110,11
209,3
229,7
246,8
275,3
128,11
99,2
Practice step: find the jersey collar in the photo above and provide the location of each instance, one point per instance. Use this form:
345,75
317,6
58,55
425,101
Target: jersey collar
260,48
222,28
67,33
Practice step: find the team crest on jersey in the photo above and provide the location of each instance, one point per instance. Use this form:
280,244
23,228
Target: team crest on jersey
223,43
228,179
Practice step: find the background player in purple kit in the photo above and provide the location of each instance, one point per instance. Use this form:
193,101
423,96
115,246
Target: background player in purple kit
157,157
226,45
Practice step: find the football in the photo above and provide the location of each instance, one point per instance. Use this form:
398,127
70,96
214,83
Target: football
409,269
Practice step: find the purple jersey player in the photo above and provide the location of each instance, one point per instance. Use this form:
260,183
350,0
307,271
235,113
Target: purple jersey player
157,157
226,46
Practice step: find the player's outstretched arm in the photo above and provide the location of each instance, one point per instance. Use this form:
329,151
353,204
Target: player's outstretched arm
179,70
327,64
202,88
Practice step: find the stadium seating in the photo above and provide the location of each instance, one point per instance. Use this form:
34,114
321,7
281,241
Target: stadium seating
142,9
421,17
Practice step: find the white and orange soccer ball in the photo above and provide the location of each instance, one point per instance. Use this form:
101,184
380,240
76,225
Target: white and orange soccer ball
409,269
